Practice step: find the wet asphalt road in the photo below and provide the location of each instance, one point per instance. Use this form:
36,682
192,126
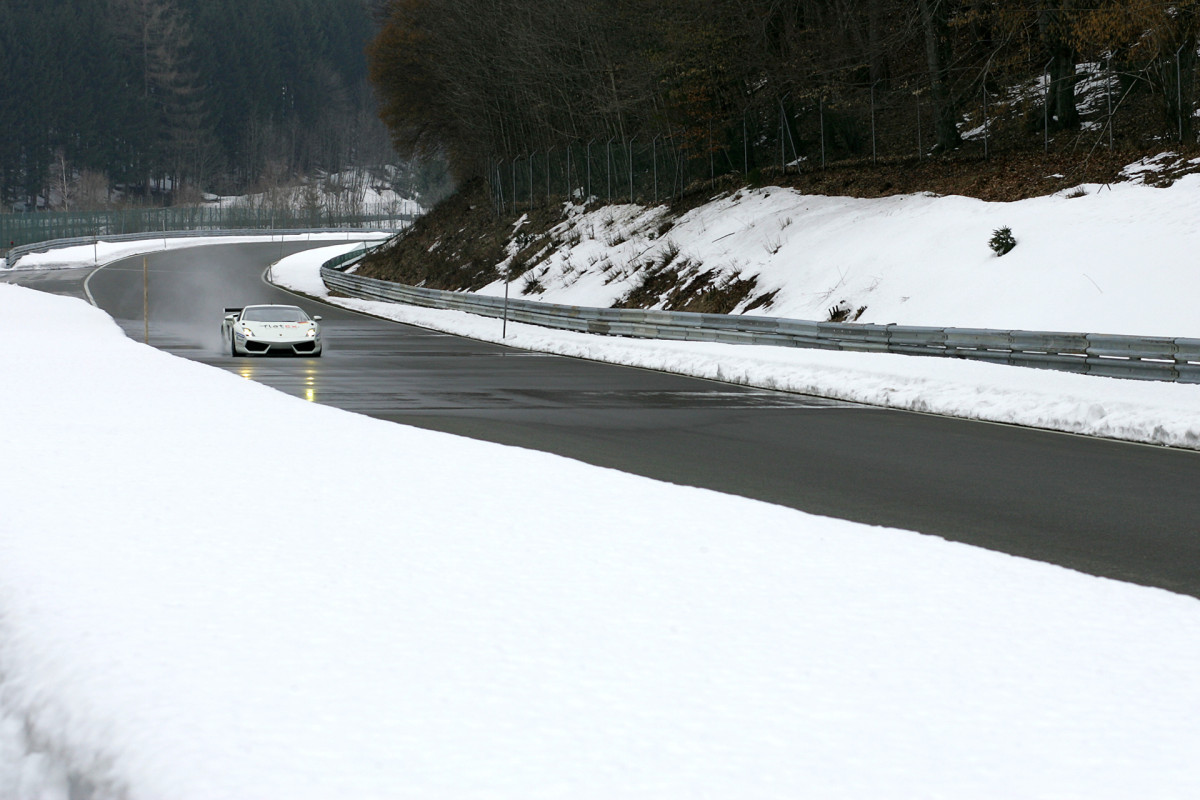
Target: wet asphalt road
1124,511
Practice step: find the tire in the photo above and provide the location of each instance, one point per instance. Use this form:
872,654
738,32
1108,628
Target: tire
232,346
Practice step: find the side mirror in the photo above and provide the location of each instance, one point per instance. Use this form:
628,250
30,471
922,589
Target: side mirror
317,318
231,317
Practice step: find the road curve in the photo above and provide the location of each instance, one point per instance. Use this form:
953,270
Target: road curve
1123,511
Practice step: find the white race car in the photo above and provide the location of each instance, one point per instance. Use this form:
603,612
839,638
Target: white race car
258,330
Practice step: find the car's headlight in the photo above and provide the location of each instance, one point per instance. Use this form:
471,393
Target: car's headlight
311,333
247,332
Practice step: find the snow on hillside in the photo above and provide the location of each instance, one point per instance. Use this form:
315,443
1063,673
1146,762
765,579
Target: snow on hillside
1115,258
350,190
177,625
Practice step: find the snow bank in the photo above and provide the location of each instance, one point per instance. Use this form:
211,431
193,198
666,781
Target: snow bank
410,614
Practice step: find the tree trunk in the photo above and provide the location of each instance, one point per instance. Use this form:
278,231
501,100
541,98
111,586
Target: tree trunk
935,19
1063,112
1060,95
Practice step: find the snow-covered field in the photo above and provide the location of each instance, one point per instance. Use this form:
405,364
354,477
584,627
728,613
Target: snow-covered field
419,615
434,617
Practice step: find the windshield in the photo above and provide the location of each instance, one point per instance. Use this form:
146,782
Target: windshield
274,314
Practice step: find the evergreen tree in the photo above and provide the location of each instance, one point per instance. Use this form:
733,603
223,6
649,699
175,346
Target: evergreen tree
176,93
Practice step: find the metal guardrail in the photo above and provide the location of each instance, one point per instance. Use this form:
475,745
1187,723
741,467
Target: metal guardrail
18,229
17,253
1115,356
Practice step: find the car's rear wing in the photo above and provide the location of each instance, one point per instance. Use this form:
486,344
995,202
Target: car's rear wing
233,310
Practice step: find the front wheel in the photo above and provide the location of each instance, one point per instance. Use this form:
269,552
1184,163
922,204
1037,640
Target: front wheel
232,346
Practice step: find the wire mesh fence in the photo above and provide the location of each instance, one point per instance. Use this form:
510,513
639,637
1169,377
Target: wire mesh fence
854,123
17,229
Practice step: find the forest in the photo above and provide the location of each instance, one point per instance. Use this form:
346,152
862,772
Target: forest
501,87
160,100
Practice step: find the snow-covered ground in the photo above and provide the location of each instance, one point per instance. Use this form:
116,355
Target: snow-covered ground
429,616
418,615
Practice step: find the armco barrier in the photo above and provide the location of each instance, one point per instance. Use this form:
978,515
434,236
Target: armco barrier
1140,357
20,229
17,253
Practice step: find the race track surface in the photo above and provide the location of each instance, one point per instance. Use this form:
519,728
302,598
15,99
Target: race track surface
1119,510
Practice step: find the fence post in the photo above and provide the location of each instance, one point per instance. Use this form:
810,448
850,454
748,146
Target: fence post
712,171
608,154
1046,107
654,157
985,125
507,280
548,151
821,119
1179,87
874,157
629,154
792,141
1108,84
499,192
589,169
917,96
745,147
782,151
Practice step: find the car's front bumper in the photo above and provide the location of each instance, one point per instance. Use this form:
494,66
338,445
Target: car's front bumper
257,347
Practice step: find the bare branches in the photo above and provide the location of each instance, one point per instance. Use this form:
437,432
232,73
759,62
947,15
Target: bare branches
496,80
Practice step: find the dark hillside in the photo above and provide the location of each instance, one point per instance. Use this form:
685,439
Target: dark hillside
455,246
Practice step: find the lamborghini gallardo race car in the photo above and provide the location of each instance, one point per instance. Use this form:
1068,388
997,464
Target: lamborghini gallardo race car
259,330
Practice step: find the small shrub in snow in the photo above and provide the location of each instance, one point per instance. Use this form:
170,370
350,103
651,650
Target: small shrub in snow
844,312
1002,241
669,253
532,285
